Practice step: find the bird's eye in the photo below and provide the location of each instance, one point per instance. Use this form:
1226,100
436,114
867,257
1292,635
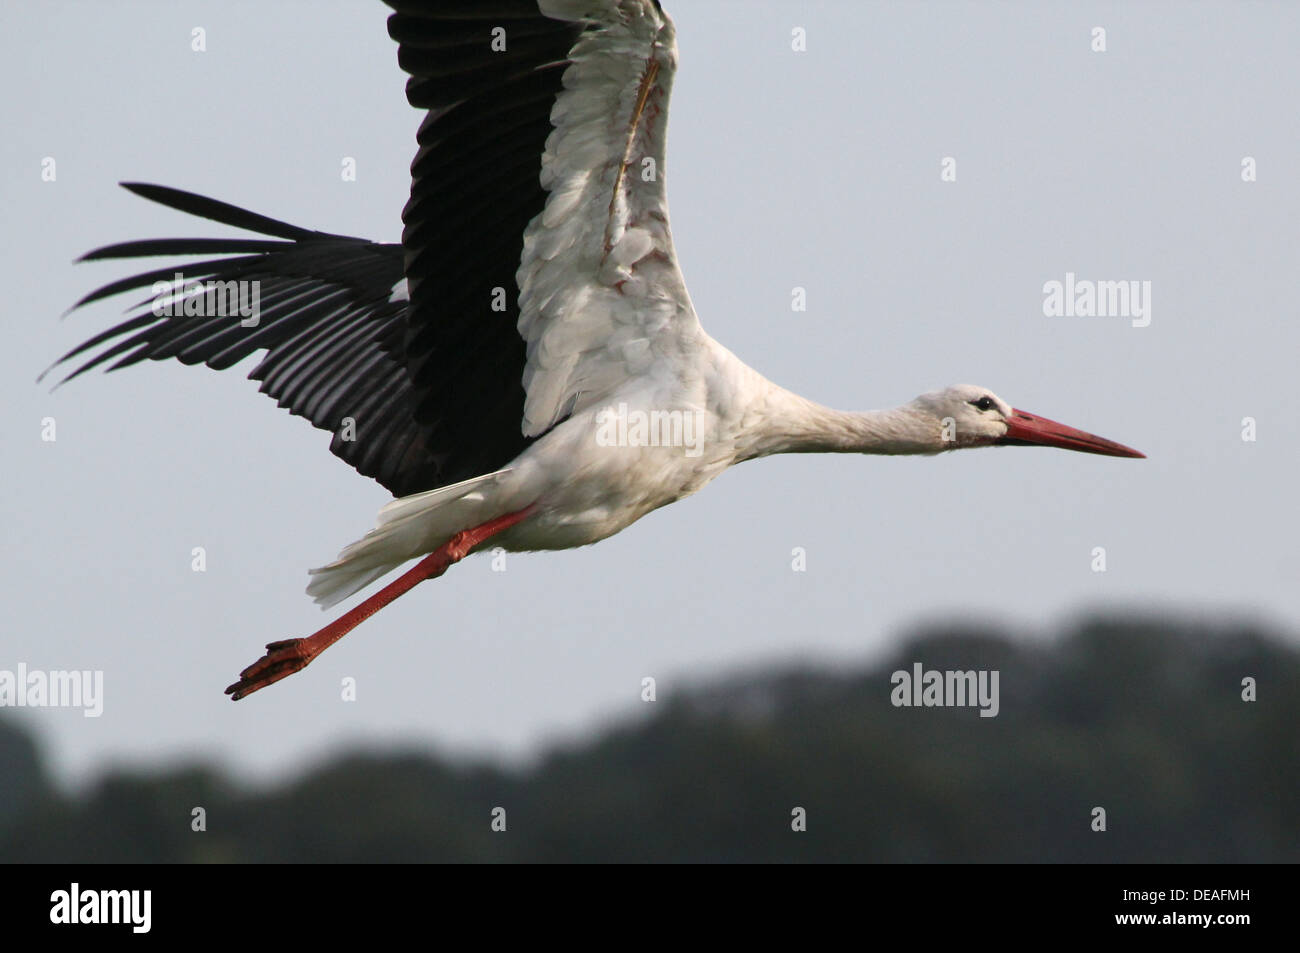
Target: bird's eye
984,403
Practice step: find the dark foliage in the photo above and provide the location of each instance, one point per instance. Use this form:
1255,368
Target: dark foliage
1142,717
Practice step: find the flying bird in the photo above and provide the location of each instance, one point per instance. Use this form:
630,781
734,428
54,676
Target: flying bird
525,367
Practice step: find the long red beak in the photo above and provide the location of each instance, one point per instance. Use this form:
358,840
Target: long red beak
1025,428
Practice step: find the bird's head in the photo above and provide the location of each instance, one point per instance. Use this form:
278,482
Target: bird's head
970,416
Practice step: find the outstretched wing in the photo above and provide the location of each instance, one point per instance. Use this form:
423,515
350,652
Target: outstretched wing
578,91
325,316
536,252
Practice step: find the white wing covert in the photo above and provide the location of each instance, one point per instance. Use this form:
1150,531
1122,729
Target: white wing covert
602,299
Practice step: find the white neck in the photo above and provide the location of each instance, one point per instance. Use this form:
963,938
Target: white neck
787,423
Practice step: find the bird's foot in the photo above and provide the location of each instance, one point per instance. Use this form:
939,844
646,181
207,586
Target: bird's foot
281,660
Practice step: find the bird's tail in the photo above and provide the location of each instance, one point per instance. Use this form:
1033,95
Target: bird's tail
407,527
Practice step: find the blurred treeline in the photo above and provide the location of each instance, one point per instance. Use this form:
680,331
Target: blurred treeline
1141,716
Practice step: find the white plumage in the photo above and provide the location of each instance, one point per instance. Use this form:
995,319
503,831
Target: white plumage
626,403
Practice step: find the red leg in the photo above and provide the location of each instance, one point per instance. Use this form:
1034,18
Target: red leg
282,659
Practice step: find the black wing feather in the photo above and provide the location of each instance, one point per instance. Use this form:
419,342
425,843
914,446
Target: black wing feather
434,387
475,186
317,287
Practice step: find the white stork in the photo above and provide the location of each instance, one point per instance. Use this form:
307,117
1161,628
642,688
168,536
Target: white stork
535,299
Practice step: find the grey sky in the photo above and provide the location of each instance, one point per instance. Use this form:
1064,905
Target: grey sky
819,170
